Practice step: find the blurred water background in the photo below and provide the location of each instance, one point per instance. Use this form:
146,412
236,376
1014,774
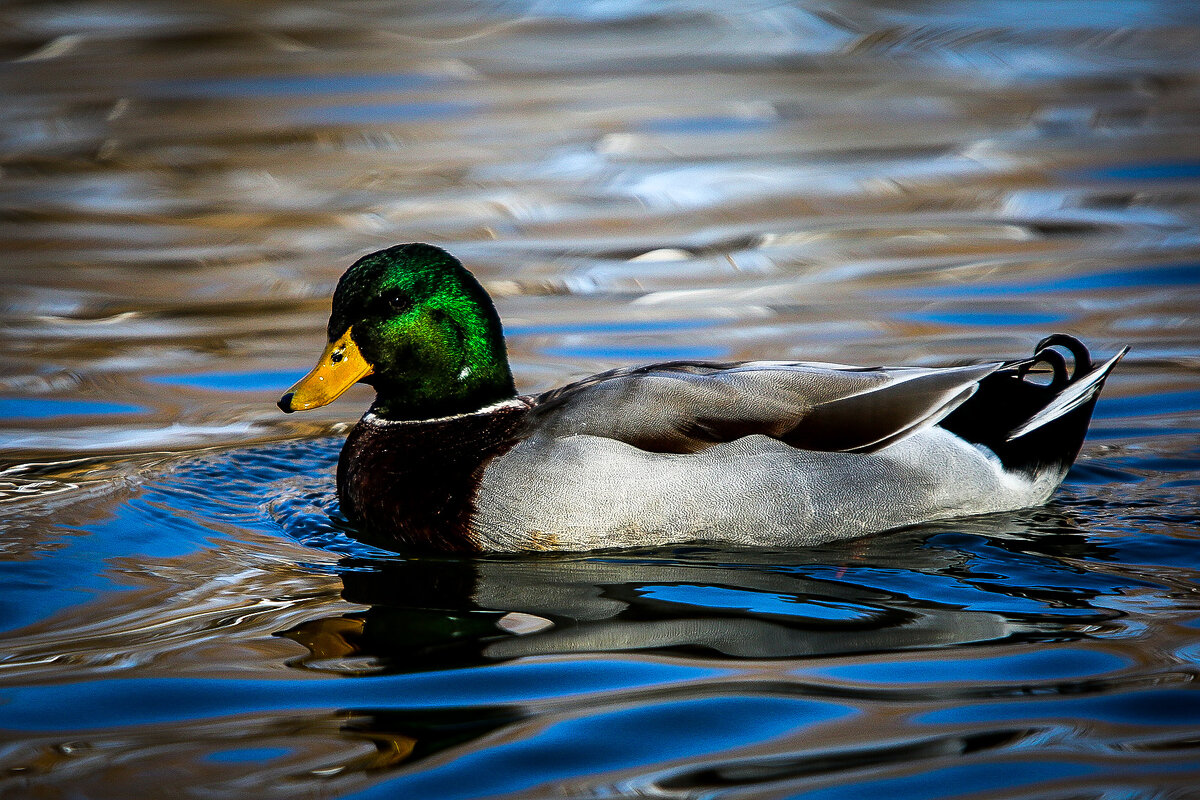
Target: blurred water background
182,611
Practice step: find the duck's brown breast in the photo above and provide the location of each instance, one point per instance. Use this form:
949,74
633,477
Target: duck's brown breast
414,483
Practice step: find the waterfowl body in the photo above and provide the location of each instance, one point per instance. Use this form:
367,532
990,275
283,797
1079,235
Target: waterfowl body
761,453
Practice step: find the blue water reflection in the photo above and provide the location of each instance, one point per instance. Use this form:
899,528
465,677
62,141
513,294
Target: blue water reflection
650,734
15,408
724,597
261,381
1150,707
1048,665
111,703
1156,171
248,754
989,318
959,780
1157,277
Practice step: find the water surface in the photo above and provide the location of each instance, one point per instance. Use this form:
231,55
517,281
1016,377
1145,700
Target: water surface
185,611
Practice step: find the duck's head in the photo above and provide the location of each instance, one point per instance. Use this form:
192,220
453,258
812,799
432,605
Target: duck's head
413,323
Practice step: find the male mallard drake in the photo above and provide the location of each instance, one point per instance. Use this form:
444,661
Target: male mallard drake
450,458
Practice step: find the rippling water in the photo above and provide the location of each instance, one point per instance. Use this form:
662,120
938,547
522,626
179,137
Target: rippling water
184,612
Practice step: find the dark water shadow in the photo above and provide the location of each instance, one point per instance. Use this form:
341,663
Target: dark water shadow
938,589
979,580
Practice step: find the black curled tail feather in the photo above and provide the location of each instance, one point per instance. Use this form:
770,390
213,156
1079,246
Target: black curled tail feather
1031,426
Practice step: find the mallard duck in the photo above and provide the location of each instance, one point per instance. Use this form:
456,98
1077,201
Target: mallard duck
765,453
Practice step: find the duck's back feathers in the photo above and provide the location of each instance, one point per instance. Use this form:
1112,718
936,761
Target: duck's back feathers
686,407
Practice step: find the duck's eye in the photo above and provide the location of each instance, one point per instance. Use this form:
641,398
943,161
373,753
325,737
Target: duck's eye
396,301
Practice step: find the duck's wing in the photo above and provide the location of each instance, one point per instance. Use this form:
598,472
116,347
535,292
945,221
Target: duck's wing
684,407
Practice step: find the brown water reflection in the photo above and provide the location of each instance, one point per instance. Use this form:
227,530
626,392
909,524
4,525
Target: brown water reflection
864,183
183,187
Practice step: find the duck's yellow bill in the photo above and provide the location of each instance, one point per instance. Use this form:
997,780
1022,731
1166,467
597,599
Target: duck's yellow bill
341,366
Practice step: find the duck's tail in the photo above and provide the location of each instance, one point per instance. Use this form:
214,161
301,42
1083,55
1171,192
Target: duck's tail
1035,426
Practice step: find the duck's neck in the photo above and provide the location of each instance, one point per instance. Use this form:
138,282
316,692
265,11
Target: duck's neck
413,483
463,374
425,402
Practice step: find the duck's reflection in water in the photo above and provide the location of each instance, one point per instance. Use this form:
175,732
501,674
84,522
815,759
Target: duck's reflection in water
931,588
772,624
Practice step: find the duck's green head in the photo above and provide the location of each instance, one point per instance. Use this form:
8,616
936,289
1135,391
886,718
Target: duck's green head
412,322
